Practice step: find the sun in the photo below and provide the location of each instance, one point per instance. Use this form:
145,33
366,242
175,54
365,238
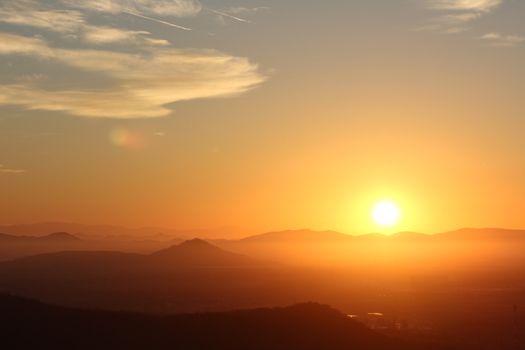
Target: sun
386,213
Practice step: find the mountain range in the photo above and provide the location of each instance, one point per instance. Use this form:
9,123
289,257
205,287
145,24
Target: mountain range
305,235
191,253
70,230
52,237
120,232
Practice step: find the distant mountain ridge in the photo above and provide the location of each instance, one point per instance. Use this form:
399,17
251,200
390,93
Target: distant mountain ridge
56,236
483,233
83,231
192,253
310,235
114,231
293,235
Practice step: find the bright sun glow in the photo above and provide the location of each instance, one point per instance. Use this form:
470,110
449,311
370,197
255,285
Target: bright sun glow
386,213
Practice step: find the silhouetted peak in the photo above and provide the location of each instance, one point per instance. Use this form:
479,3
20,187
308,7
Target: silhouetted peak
190,247
197,252
196,243
60,236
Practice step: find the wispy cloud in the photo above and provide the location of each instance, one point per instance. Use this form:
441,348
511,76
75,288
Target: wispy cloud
4,170
501,40
143,84
227,15
464,5
457,14
16,44
235,13
140,77
144,9
176,8
239,10
110,35
70,18
28,13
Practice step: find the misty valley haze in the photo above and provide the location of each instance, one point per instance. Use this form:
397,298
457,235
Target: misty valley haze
422,286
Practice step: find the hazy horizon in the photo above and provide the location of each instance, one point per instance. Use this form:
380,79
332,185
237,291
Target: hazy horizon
228,230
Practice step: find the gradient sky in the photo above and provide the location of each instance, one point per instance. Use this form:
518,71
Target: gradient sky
263,114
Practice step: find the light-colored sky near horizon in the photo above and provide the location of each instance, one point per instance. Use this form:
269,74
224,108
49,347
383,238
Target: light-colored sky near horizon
262,113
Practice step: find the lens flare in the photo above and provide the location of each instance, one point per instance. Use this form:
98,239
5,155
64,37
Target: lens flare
126,138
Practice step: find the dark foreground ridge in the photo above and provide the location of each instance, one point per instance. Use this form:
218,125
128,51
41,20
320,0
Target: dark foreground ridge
29,324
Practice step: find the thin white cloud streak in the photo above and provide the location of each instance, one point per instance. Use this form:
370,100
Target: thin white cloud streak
108,35
464,5
156,20
246,10
500,40
143,84
224,14
458,13
4,170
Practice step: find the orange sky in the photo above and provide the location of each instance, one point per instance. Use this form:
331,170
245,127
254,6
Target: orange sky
302,116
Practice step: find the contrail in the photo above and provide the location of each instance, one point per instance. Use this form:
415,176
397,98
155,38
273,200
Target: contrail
228,15
156,20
